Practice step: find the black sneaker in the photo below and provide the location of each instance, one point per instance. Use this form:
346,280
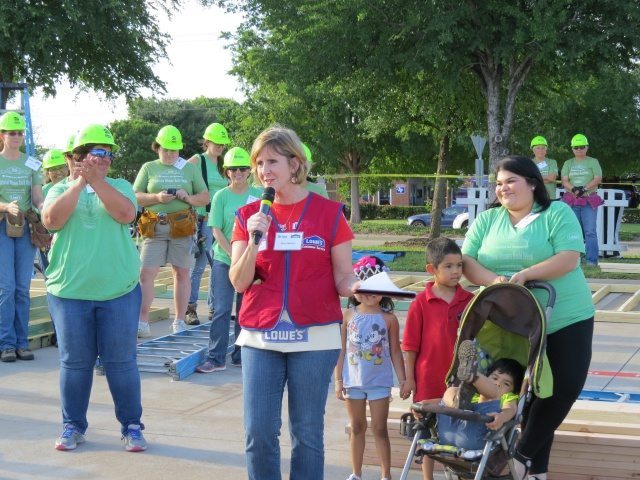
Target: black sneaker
8,355
191,317
24,354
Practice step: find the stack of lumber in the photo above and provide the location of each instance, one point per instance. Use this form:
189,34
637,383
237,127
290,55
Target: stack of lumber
40,325
597,441
620,267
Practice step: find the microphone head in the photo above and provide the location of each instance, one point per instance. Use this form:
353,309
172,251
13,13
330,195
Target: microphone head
268,195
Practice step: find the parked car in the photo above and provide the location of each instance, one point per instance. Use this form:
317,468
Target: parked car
448,215
461,221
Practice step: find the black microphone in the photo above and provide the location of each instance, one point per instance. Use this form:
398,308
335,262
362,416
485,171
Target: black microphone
265,206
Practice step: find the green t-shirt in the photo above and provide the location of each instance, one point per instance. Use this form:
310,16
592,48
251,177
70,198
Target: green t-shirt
45,189
92,257
214,179
318,188
155,176
581,172
16,180
500,247
508,397
223,214
546,167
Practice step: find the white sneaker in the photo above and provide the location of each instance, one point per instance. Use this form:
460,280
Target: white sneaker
178,326
144,331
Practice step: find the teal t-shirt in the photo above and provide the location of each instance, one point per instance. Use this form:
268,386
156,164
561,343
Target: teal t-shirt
92,257
223,214
318,188
155,176
45,189
500,247
581,172
16,180
216,181
546,167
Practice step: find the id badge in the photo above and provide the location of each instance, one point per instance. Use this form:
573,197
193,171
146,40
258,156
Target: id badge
180,163
542,165
33,164
288,241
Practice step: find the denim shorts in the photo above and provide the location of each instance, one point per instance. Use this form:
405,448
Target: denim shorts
371,393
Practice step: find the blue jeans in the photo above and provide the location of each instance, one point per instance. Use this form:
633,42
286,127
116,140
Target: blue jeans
16,269
219,331
307,376
86,329
200,265
587,217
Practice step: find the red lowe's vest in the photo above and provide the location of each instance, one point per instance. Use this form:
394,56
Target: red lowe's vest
300,281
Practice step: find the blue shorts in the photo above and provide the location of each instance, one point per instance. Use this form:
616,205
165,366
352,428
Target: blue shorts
372,393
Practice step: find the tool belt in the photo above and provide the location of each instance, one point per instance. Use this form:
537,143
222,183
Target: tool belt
182,223
40,236
14,224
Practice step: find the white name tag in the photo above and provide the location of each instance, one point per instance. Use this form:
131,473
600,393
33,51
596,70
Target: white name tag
180,163
542,165
33,164
287,241
251,199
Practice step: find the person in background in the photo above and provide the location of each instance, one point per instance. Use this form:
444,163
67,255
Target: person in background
525,236
581,176
215,140
311,184
292,267
548,167
20,190
168,188
237,168
92,288
54,167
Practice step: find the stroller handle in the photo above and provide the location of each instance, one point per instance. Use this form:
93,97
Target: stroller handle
543,286
451,412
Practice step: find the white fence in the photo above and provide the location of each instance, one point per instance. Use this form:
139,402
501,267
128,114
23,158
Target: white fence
608,222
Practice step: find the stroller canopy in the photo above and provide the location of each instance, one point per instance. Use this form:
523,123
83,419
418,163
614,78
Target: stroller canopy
508,322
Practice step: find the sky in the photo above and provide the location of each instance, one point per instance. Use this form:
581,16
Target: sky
198,65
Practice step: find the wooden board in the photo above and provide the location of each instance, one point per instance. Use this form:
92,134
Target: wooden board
620,267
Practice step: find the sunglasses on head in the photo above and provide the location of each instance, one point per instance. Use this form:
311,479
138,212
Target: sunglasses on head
14,133
242,169
100,152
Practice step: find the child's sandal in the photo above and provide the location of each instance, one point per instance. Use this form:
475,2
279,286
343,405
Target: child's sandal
467,362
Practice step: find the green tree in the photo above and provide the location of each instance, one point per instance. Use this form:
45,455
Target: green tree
108,46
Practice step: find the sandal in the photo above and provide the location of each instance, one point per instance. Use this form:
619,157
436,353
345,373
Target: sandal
468,362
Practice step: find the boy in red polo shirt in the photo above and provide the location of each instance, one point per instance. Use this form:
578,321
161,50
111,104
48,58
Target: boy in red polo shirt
432,324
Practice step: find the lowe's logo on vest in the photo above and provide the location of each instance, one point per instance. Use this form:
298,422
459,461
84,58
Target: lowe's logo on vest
315,242
286,332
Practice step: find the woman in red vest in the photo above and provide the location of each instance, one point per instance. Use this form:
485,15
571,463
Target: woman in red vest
292,264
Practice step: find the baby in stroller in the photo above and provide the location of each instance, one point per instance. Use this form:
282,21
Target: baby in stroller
497,397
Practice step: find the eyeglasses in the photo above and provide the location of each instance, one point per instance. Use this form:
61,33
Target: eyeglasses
578,148
14,133
100,152
242,169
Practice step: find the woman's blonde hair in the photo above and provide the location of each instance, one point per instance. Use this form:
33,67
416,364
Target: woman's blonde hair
285,142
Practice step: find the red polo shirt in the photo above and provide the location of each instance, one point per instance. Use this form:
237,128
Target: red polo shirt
431,330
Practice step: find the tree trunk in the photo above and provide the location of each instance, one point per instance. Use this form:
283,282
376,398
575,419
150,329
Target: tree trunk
355,200
440,190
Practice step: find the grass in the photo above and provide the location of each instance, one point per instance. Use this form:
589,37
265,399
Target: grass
414,258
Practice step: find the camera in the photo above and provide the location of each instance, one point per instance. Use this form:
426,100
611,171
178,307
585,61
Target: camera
171,191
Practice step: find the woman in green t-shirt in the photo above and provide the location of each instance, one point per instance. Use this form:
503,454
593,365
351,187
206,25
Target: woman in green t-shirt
526,236
548,167
214,140
237,168
581,176
168,188
20,189
93,292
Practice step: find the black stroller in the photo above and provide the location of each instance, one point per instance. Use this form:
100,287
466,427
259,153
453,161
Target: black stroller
506,321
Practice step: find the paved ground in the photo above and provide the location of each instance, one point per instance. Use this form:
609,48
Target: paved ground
194,427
